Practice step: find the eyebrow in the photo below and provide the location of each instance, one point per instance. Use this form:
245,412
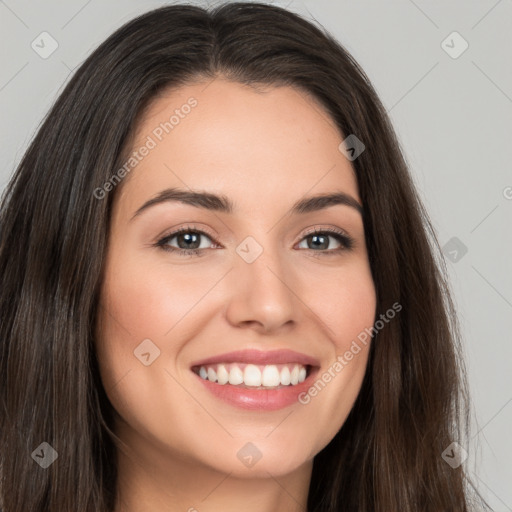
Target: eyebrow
221,203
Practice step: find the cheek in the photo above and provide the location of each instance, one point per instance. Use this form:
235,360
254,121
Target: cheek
148,301
140,305
345,304
346,307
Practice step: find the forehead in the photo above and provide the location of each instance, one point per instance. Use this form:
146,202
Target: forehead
258,147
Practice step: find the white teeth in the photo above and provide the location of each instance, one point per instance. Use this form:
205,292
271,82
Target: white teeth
285,376
268,376
294,376
252,375
212,375
222,374
236,376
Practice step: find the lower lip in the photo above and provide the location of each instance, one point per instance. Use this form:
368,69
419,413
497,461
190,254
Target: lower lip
259,399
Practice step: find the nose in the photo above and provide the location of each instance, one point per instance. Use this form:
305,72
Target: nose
262,294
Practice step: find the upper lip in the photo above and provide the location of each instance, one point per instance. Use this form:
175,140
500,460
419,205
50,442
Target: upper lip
260,357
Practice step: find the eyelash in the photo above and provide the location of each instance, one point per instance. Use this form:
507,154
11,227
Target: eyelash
347,242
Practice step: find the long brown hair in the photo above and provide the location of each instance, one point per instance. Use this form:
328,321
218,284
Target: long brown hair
413,402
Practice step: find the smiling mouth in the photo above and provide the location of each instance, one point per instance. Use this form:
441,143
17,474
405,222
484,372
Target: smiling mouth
253,376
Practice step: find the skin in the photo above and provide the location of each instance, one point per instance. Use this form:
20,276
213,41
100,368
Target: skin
179,443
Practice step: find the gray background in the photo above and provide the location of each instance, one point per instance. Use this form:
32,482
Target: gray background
453,117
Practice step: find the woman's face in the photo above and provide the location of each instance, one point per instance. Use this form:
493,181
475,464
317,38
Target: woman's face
262,300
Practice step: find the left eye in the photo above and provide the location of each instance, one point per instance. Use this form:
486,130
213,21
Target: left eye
320,240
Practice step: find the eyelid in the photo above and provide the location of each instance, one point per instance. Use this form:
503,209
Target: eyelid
323,229
170,233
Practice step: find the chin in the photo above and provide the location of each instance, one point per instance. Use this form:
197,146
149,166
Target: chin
260,457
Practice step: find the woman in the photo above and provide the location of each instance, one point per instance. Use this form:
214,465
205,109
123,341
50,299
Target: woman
220,288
